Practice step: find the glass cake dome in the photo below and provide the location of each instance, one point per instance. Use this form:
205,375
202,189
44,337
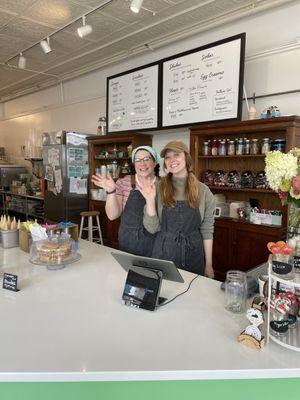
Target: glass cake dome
55,252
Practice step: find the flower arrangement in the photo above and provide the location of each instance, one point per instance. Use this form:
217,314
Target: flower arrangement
283,175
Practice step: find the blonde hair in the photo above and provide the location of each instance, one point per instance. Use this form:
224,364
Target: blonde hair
191,192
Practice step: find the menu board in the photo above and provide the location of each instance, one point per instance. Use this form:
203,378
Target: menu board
204,84
132,100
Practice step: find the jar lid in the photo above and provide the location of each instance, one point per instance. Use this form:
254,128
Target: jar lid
254,140
279,140
266,138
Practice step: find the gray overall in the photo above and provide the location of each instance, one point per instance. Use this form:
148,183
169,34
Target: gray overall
133,237
179,239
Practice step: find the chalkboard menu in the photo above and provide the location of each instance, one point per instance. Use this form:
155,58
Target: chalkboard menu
132,100
204,84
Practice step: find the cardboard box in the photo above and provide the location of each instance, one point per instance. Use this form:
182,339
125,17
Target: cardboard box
24,239
25,236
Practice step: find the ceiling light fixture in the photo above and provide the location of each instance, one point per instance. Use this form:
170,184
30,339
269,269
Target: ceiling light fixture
45,45
22,62
84,30
136,5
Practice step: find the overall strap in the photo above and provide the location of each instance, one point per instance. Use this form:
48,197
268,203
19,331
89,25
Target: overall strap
132,181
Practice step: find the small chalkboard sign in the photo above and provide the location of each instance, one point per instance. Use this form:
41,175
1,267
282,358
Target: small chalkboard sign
297,262
10,282
280,326
281,268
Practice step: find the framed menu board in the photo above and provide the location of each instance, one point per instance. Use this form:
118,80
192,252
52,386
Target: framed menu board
204,84
132,100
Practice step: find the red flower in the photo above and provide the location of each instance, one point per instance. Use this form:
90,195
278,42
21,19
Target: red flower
296,184
282,195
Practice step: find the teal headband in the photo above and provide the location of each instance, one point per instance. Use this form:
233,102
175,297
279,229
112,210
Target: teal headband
150,150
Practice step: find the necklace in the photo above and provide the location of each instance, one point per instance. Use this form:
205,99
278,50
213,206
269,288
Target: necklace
139,183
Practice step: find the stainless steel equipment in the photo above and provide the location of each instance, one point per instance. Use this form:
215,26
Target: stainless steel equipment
8,173
66,168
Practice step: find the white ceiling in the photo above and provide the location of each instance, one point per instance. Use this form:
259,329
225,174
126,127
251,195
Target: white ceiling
117,33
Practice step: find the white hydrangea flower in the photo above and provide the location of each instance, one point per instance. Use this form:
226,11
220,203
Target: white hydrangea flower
280,166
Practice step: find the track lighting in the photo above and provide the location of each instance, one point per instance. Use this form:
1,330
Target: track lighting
84,29
22,62
45,45
136,5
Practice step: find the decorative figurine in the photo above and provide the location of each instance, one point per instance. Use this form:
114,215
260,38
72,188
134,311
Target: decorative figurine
252,336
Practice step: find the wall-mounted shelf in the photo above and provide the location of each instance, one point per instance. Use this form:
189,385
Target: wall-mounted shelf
231,189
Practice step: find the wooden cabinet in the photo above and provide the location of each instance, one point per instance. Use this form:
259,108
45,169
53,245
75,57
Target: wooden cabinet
242,245
115,147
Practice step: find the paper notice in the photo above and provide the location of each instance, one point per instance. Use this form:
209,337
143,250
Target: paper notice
78,185
58,180
53,157
49,173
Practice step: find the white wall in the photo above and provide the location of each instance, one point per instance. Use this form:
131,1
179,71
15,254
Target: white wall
83,98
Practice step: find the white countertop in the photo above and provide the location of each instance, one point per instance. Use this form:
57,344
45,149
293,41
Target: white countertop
71,325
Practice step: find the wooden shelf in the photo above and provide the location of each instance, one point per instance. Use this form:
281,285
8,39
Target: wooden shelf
239,245
230,189
243,156
108,143
111,158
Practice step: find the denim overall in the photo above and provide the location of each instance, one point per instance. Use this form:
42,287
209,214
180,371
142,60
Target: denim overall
179,239
133,237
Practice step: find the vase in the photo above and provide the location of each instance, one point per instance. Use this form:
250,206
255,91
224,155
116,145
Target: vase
293,234
293,224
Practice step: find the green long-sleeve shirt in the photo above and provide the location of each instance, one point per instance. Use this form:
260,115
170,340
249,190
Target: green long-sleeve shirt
206,208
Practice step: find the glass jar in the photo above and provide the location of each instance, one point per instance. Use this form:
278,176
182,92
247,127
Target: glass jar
222,147
254,147
235,291
214,147
239,149
266,146
283,266
205,149
101,130
231,148
247,146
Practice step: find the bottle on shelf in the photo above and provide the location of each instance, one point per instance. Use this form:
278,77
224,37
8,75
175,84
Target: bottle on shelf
214,147
222,147
254,147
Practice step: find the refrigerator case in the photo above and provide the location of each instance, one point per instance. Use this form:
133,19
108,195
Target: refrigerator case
66,167
8,173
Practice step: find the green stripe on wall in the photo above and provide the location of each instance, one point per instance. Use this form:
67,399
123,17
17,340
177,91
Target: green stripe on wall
263,389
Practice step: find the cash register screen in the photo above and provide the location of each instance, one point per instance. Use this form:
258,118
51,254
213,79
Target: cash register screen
142,288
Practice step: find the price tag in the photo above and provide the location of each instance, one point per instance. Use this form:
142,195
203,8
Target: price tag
10,282
281,268
297,262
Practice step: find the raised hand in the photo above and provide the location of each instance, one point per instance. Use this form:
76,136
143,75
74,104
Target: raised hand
105,182
148,190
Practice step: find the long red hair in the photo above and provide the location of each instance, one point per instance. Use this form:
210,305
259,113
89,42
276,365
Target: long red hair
192,192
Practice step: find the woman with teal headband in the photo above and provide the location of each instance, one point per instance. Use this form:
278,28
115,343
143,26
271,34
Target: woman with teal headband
125,199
